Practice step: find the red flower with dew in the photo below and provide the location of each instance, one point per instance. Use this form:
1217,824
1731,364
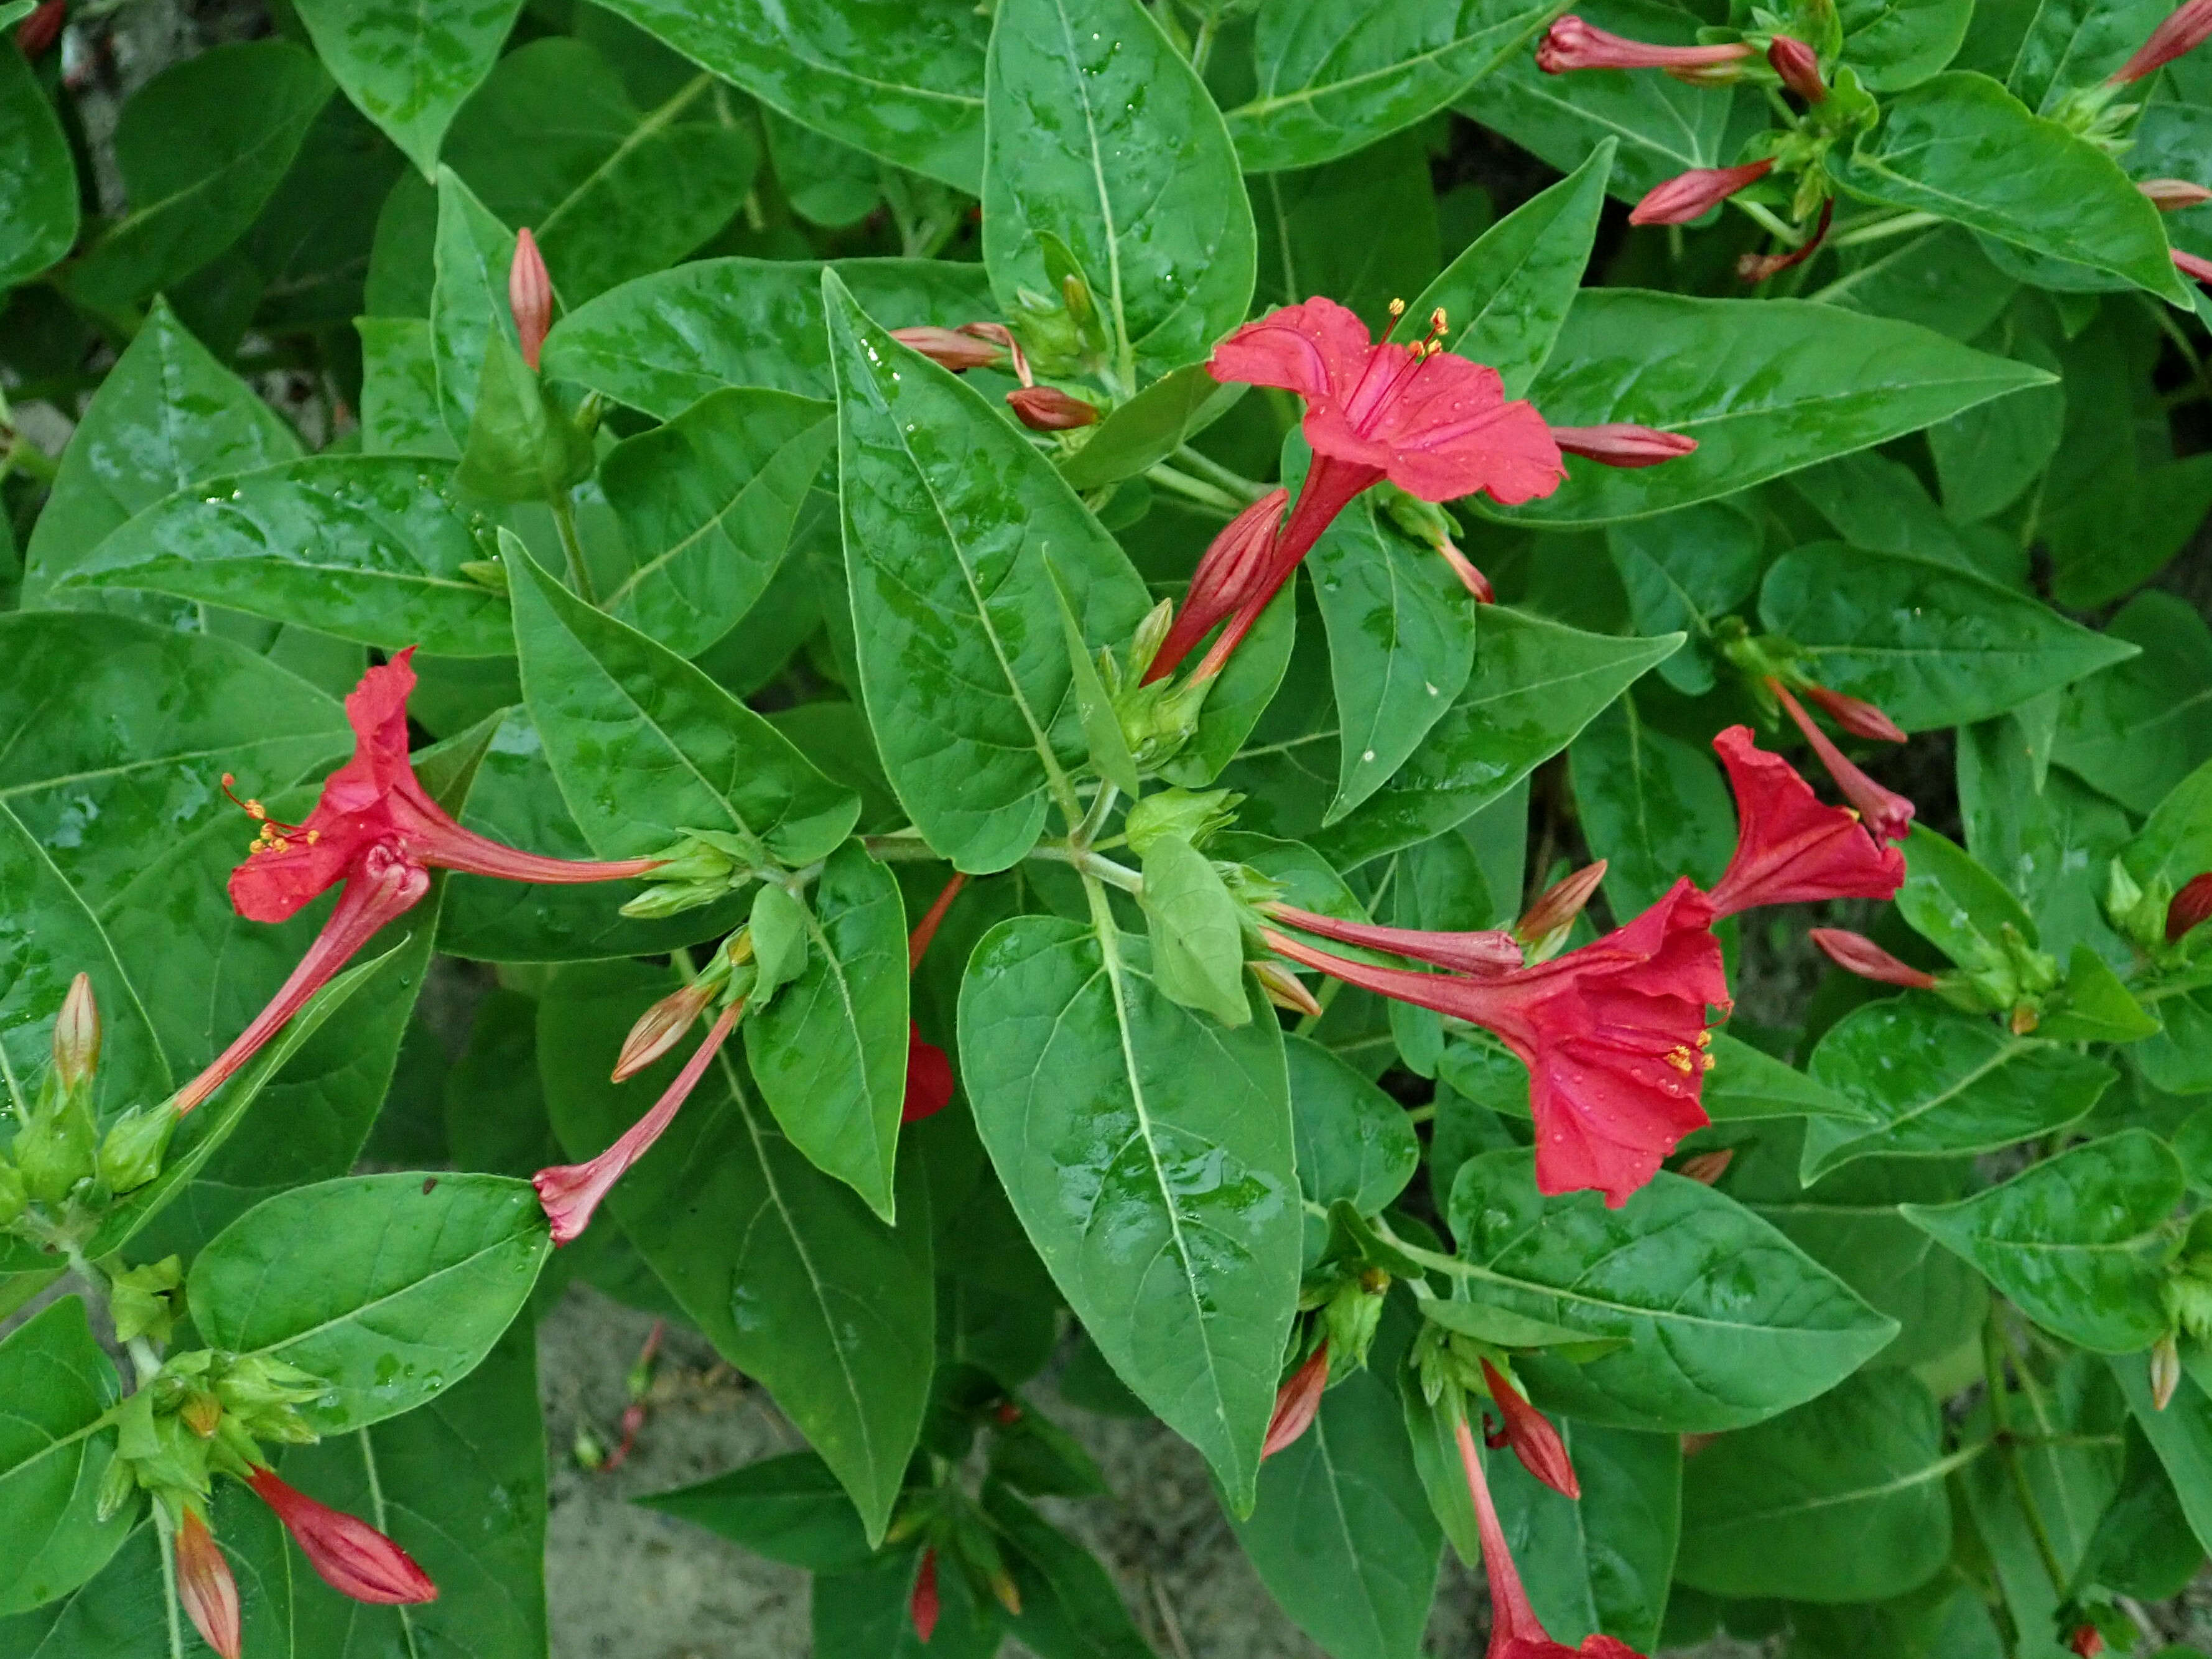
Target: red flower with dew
377,831
350,1556
1790,848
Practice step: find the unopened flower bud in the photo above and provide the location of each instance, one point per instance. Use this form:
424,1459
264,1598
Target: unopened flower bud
950,349
921,1605
928,1078
1693,194
205,1587
1195,815
1572,44
2197,269
662,1026
1887,815
1799,66
37,32
1047,408
1855,715
2185,30
1286,989
77,1035
57,1148
1532,1437
1557,907
1855,953
2190,906
1622,444
202,1414
1296,1402
2165,1371
530,296
131,1154
671,898
1706,1168
2172,195
2087,1641
350,1556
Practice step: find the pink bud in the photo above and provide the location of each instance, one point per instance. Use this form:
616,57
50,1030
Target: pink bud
1286,989
42,27
2185,28
1234,580
350,1556
1799,66
2197,269
661,1027
1706,1168
2190,906
950,349
1887,815
2087,1641
1572,44
1855,953
1462,567
529,296
1855,715
921,1605
2172,195
1532,1437
2165,1372
1000,334
1559,904
1622,444
1047,408
1297,1401
76,1034
1691,195
205,1587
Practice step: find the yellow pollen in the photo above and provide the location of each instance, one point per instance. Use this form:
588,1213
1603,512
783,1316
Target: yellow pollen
1397,309
1680,1059
254,809
314,836
1709,1060
1704,1039
1437,320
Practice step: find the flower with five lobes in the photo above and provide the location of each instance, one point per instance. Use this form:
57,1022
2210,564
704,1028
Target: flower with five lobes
377,831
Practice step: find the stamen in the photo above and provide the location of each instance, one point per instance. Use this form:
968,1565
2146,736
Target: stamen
252,809
1704,1039
1397,309
271,828
1680,1059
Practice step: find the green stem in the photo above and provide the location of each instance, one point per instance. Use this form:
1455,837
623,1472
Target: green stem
1202,48
1194,488
580,574
169,1550
29,458
902,846
1786,234
1092,867
1993,1373
1235,482
1095,819
1881,228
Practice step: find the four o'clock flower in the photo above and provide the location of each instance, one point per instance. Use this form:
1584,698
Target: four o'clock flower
2185,30
1296,1402
350,1556
1047,408
1790,848
1855,953
1233,582
205,1587
1572,44
377,831
1888,814
1530,1433
1692,195
529,296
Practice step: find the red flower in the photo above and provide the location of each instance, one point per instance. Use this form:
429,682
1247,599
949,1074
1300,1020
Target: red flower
1296,1402
1855,953
1799,66
2189,907
1532,1437
1572,44
529,296
570,1193
1888,813
42,27
2087,1641
1622,443
1435,424
928,1078
1516,1632
1691,195
205,1587
349,1555
921,1605
1791,849
1612,1034
2185,28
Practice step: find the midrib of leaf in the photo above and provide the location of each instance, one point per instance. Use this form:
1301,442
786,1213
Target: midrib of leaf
63,780
1076,79
715,521
1345,1532
353,1315
219,175
383,1524
1693,156
836,967
685,97
1398,68
1919,1476
2005,1055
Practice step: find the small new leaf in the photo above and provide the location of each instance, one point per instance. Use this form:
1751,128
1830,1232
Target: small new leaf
1197,933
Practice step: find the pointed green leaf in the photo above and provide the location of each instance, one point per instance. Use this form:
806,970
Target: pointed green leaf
1196,930
39,222
53,1456
408,67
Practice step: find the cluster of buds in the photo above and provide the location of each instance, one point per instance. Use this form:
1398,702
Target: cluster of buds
204,1413
1158,717
1066,338
700,866
61,1173
951,1530
1461,1371
2161,920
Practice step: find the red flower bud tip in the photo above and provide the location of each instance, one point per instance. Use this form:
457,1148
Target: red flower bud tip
1532,1437
1297,1401
1487,952
1622,444
1855,953
1799,66
1559,904
921,1605
350,1556
1855,715
529,296
1572,44
2165,1372
1234,580
928,1078
76,1034
660,1028
1692,195
205,1587
1886,814
948,348
1758,267
1462,567
36,33
917,944
2197,269
1706,1168
1000,334
1047,408
2190,906
2185,28
2172,195
1286,990
2086,1640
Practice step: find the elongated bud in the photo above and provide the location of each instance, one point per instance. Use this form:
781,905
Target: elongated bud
1297,1401
1572,44
1000,334
204,1586
1855,953
921,1605
1558,905
2197,269
1470,578
661,1027
1623,444
2185,28
2165,1371
350,1556
1286,989
2172,195
77,1035
1532,1437
2087,1641
202,1414
948,348
1707,1168
1693,194
530,296
1047,408
1886,814
1855,715
1234,580
1799,66
37,32
2190,906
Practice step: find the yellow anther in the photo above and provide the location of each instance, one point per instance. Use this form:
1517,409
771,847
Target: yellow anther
1680,1059
1397,309
1704,1039
1709,1060
1437,320
314,836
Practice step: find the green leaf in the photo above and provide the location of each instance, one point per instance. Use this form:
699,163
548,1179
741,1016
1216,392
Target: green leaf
2124,528
950,515
2077,1242
1148,429
1893,45
408,67
1602,1563
201,148
1942,1082
1241,693
662,341
1070,1609
400,411
39,225
864,1614
784,1269
2176,844
645,746
1196,930
1401,635
789,1509
1102,722
1101,1102
1335,76
707,504
2135,730
1363,230
1683,571
2072,43
473,254
1535,685
903,83
1766,386
2094,1005
368,548
1961,146
1342,1536
2042,832
2180,1432
1653,807
829,1053
1101,134
1746,1085
1839,1500
53,1456
1506,297
1355,1145
1933,644
1953,904
1728,1322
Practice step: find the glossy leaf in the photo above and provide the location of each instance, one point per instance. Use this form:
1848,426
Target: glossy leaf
1653,807
2181,1433
1891,44
1602,1562
53,1454
789,1509
1955,904
409,68
41,221
1363,230
2136,729
1196,930
1355,1144
1149,427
